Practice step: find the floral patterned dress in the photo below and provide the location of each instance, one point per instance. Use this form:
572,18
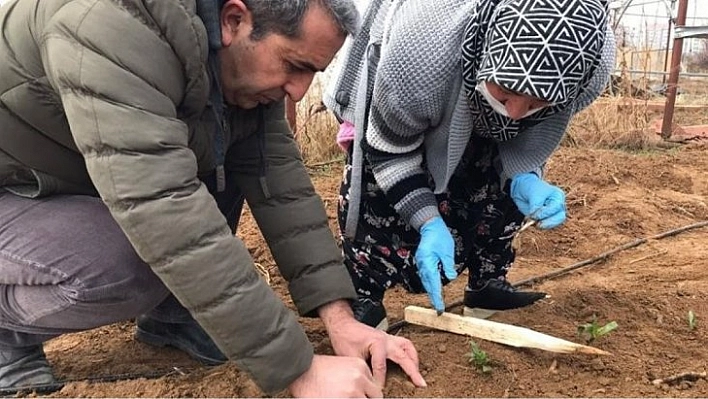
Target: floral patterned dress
480,214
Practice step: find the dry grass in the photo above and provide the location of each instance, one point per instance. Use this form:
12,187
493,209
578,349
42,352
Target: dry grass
621,121
614,122
316,127
628,123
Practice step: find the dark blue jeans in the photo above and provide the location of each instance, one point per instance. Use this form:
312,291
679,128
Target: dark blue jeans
66,266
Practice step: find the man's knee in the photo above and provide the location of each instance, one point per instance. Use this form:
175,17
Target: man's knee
100,294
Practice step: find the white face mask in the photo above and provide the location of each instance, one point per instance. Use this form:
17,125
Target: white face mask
496,105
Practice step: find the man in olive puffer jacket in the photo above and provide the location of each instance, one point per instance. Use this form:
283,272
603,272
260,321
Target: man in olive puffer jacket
131,132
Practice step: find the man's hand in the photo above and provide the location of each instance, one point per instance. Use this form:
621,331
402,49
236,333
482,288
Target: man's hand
538,200
436,247
352,338
336,377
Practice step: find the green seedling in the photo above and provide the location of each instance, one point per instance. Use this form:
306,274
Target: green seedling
593,330
692,322
479,358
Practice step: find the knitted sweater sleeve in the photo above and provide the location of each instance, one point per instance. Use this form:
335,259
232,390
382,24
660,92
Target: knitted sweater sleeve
529,151
410,93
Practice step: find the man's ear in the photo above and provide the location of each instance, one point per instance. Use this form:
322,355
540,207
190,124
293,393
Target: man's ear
235,21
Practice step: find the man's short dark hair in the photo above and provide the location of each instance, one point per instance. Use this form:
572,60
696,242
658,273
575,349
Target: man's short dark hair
284,17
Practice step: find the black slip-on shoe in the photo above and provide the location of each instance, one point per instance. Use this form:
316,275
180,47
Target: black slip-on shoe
370,313
189,337
497,295
24,368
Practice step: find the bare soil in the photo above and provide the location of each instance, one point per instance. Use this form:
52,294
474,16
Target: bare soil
614,198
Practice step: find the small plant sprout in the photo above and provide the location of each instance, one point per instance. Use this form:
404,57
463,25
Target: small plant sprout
478,358
593,330
692,322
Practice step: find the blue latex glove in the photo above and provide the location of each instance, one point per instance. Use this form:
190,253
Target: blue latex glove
436,247
538,200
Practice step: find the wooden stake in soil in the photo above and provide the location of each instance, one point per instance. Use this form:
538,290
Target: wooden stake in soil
506,334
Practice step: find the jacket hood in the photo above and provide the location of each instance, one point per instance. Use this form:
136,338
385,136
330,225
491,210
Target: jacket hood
209,11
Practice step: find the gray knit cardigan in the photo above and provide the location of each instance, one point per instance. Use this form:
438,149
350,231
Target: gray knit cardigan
400,82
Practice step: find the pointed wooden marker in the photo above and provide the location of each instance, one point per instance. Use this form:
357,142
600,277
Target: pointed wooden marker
502,333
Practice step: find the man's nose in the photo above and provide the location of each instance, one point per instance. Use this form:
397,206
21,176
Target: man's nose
298,85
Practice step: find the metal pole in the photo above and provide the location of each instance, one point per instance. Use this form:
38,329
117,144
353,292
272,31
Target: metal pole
668,44
674,73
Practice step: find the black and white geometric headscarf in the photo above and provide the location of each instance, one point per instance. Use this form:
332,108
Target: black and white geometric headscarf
547,49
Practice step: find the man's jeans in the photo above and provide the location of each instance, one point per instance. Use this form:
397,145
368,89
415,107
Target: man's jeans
66,266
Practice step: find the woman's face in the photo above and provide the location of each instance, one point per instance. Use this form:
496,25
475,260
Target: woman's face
517,105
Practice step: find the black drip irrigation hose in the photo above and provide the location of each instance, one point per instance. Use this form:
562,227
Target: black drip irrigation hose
49,388
35,389
393,328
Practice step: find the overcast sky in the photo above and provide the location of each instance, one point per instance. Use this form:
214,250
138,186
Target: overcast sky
655,12
647,22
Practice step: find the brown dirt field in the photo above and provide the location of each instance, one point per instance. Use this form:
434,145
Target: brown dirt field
614,198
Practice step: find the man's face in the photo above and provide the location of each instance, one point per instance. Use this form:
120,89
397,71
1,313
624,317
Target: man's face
266,70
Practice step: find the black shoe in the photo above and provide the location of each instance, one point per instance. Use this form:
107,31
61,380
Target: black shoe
370,313
24,368
189,337
494,296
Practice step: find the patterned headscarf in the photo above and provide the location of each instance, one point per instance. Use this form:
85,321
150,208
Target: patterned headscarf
547,49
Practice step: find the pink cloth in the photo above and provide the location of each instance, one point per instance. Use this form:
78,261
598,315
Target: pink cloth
345,135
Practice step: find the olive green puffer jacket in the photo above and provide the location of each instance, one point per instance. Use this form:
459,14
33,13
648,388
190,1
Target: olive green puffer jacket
110,98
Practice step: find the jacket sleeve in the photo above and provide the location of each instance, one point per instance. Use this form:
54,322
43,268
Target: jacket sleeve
410,93
290,214
531,148
120,83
